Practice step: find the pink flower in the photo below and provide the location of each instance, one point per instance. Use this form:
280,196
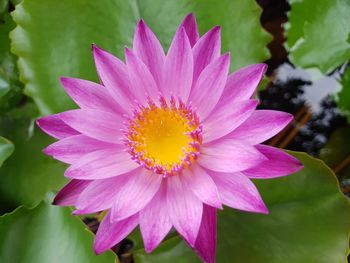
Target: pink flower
165,140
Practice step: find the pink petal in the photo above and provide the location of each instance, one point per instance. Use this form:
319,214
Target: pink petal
148,48
225,119
184,208
100,125
205,244
109,234
201,185
71,149
141,79
101,164
100,194
114,76
210,85
69,194
178,68
190,25
242,83
237,191
278,164
89,95
135,195
229,156
55,127
261,125
154,220
206,50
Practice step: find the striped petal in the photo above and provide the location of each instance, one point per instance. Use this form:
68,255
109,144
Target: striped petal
141,79
90,95
135,195
71,149
101,164
201,184
114,76
205,244
184,208
224,120
178,68
229,156
148,48
55,127
190,25
278,164
261,126
109,234
154,220
206,50
237,191
97,124
211,82
69,194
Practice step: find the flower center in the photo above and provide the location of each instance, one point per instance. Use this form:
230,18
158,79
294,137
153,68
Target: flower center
165,139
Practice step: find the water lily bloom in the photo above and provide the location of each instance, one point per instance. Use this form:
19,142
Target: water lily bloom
165,140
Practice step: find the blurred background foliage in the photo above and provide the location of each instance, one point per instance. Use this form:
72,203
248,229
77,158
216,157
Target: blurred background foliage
307,49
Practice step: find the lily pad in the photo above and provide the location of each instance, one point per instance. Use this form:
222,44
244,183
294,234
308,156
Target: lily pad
6,149
47,234
308,222
54,39
28,175
318,34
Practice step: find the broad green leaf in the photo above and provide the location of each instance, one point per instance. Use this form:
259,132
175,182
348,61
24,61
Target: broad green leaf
3,7
308,222
318,34
54,38
6,149
47,234
344,94
27,175
11,88
4,83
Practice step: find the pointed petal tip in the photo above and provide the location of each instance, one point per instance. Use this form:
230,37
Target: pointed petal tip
141,23
127,51
215,31
94,47
96,50
38,122
261,209
46,150
98,249
190,15
65,81
189,18
57,200
149,246
226,57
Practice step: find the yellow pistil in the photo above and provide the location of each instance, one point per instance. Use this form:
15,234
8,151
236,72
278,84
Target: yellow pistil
164,139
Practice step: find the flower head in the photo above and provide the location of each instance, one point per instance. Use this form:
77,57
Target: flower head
165,140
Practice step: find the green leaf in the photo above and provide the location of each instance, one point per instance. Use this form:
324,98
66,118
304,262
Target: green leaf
47,234
49,46
28,175
344,94
6,149
3,7
11,88
318,34
308,222
4,83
